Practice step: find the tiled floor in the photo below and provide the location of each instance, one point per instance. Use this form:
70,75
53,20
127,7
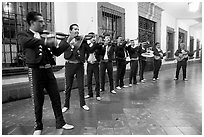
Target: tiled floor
163,107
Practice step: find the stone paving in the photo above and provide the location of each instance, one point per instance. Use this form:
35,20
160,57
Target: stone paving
162,107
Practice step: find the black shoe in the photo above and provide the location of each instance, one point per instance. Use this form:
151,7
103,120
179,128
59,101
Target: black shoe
135,82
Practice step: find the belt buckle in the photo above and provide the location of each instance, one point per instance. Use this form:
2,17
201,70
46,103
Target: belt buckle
46,66
92,62
105,60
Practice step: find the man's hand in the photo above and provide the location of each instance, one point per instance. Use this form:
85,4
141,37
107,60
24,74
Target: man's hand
161,55
180,55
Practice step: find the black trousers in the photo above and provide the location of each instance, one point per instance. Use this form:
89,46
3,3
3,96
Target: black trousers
133,71
157,66
180,64
41,79
71,70
93,69
109,67
142,68
121,68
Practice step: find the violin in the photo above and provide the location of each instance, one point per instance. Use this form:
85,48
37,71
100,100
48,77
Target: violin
61,36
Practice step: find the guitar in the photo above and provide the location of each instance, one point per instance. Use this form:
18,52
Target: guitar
161,55
185,55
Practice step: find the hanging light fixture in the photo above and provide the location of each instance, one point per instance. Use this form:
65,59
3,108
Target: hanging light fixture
193,6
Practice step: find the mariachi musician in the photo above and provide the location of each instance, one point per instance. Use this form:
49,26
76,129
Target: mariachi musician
182,57
74,65
133,52
120,56
158,56
106,57
39,54
144,52
93,60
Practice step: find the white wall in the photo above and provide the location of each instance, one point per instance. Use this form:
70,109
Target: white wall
87,17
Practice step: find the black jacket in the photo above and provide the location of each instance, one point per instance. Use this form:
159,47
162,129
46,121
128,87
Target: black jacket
36,53
94,49
179,52
133,52
76,53
157,53
111,51
120,50
140,51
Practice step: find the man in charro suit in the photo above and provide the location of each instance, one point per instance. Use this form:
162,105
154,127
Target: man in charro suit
142,60
93,60
158,56
107,54
39,53
75,58
133,52
182,57
120,56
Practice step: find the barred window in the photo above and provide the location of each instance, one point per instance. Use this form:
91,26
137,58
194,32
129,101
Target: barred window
111,19
146,30
111,24
13,21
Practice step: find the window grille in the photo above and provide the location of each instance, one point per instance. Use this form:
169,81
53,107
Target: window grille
146,30
13,21
111,22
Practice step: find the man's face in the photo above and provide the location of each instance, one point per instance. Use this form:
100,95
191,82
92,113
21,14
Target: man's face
132,43
182,46
158,46
107,39
93,39
119,39
75,31
38,25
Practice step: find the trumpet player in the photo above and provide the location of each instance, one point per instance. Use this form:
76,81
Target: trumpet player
158,56
93,59
142,61
107,54
133,52
121,54
39,53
